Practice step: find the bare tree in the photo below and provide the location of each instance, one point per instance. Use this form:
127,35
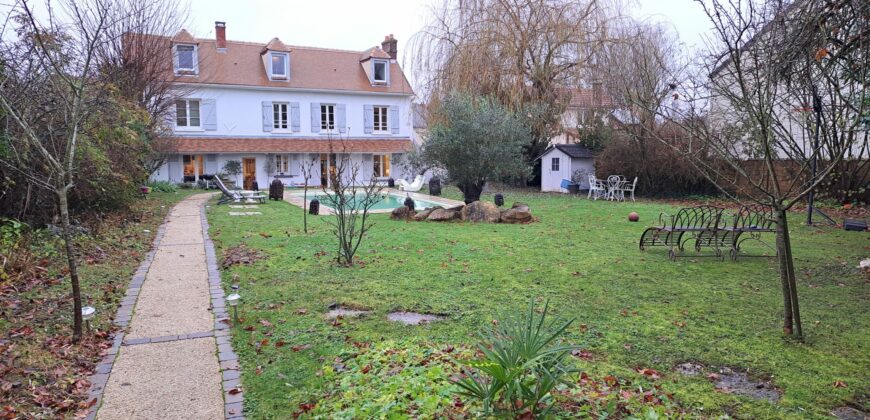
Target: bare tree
307,168
769,63
136,57
351,195
50,88
518,51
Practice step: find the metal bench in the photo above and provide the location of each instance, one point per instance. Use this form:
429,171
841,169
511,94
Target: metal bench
674,231
748,223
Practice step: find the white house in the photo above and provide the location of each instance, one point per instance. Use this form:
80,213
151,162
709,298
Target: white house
585,108
560,161
271,106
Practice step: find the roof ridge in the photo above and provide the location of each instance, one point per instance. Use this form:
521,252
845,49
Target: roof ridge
304,47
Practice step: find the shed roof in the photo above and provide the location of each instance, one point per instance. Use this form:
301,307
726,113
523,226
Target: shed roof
575,151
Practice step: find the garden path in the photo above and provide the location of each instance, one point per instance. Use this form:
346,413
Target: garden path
170,363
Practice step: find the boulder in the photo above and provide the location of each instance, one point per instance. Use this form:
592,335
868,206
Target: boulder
422,215
518,213
401,213
443,215
481,211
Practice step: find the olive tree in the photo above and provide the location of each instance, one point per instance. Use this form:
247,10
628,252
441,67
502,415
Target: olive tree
476,140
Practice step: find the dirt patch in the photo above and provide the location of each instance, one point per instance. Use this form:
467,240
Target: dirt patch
342,312
739,383
413,318
241,255
689,369
848,413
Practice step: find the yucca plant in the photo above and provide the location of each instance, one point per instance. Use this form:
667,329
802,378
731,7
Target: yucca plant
522,364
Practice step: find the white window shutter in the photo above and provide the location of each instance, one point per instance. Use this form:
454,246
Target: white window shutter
387,73
268,117
295,125
170,116
394,119
315,117
208,109
341,118
368,118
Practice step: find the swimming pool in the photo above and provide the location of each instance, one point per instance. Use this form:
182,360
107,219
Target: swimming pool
388,201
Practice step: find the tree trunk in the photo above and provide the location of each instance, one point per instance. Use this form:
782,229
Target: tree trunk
791,313
471,191
63,206
304,209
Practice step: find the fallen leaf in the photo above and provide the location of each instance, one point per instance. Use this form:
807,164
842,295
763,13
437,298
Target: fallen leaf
840,384
302,311
265,323
235,391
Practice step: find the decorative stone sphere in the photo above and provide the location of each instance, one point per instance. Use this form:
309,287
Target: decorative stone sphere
633,217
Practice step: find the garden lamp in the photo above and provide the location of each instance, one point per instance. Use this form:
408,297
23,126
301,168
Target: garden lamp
88,313
233,300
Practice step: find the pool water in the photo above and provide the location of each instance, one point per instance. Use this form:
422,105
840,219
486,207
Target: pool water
388,202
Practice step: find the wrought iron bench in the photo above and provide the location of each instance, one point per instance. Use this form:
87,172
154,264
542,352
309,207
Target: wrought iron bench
698,222
748,223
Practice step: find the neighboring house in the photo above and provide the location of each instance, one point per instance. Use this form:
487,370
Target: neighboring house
586,107
272,106
560,161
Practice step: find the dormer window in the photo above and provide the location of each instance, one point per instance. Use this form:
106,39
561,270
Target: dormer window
185,58
380,72
279,64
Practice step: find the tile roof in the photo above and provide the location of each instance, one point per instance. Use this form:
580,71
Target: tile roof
241,64
576,151
275,45
374,52
585,98
289,145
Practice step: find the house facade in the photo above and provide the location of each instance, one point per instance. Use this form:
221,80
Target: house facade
586,107
272,107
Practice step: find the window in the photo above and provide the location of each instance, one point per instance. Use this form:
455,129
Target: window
554,164
279,115
381,166
187,113
282,164
380,122
279,65
327,117
380,72
185,58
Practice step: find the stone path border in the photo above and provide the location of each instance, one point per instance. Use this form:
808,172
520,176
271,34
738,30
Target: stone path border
229,361
229,364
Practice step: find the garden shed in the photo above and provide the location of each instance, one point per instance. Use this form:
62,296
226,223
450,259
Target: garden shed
560,161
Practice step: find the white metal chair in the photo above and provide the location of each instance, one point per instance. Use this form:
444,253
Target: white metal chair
629,188
614,187
597,189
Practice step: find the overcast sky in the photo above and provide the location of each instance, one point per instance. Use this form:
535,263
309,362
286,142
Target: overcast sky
357,25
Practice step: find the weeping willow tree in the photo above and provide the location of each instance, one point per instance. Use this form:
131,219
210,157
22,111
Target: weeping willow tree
523,53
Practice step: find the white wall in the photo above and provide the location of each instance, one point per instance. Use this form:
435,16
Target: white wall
239,111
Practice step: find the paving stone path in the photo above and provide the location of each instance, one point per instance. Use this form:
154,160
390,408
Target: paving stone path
173,360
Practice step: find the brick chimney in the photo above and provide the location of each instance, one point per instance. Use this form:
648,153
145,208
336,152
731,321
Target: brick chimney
220,34
390,46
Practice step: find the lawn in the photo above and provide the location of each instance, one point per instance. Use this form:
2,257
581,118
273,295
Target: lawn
633,310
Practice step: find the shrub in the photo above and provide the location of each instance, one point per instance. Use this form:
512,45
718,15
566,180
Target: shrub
522,364
162,186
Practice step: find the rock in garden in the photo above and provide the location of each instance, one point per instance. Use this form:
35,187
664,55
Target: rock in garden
481,211
401,213
425,213
443,215
519,213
